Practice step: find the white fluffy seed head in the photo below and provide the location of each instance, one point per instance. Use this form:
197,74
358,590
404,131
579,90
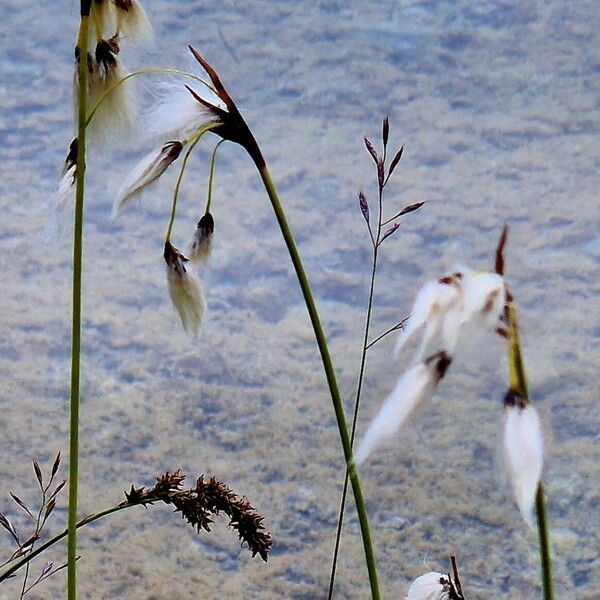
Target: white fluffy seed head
428,314
414,386
132,21
177,114
431,586
61,205
484,298
524,455
146,172
116,114
454,307
184,289
201,244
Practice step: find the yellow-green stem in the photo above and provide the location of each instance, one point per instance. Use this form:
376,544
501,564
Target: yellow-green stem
329,373
192,140
211,175
12,567
82,73
518,383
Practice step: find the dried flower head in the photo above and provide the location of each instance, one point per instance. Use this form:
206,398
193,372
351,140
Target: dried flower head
417,384
199,504
184,289
524,451
202,241
147,171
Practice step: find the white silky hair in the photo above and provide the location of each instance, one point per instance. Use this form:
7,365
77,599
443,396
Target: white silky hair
176,113
134,24
429,587
186,295
524,456
411,388
143,174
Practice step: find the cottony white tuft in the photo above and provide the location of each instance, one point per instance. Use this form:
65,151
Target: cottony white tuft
484,298
61,205
115,114
431,310
453,306
431,586
524,452
178,114
132,21
202,241
184,289
417,384
147,171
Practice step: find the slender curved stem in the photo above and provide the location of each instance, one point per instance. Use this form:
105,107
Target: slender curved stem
329,373
192,140
399,325
147,70
518,383
361,373
82,73
211,175
14,565
363,359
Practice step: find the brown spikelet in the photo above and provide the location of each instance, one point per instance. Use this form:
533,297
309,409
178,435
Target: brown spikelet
210,497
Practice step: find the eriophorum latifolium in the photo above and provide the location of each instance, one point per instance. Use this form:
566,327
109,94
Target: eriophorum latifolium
449,308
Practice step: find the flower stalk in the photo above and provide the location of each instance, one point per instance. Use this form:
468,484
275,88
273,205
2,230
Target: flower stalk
231,126
517,383
329,374
82,74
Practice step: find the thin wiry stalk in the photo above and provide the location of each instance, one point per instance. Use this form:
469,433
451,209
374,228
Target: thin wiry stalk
24,588
361,373
82,74
196,505
211,175
399,325
193,140
329,373
518,383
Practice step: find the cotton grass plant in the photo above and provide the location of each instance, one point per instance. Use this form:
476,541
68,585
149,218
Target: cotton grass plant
448,309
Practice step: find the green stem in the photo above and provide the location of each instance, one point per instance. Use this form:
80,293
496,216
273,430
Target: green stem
329,373
545,557
211,174
192,140
361,374
13,566
82,43
518,383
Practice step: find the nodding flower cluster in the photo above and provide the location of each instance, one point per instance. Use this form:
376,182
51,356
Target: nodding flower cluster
182,112
452,308
110,22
